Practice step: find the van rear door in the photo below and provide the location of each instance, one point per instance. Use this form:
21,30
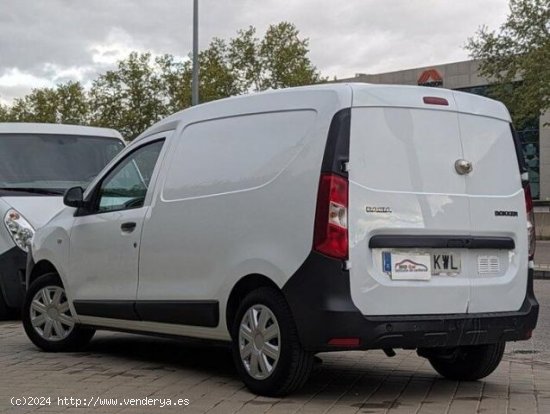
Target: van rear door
497,206
407,204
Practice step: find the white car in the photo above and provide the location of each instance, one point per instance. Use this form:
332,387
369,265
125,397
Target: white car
298,221
38,162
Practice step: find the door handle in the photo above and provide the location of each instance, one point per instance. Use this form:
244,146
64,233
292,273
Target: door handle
128,227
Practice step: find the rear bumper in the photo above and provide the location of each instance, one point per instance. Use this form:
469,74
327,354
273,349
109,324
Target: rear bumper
12,273
319,297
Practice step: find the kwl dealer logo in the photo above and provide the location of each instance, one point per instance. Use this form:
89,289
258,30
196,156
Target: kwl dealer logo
408,265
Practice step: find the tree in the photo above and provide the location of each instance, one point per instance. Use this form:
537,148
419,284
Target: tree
175,81
4,113
516,58
284,58
141,90
243,64
66,103
128,99
245,60
217,79
39,106
279,60
72,104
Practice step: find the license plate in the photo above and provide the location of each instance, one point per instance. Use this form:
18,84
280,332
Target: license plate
420,266
445,263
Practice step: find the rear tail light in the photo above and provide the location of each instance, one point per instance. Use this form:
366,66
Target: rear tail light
331,219
530,220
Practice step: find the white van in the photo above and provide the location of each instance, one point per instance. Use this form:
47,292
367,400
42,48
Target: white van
38,162
299,221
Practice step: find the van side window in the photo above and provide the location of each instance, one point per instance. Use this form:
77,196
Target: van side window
126,186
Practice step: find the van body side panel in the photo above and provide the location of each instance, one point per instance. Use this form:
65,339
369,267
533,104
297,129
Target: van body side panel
236,197
403,182
497,205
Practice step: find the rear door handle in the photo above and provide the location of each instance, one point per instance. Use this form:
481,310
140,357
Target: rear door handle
128,227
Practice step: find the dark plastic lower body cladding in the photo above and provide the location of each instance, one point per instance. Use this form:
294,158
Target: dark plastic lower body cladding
191,312
320,299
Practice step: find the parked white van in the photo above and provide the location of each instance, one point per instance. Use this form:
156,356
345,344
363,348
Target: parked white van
299,221
38,162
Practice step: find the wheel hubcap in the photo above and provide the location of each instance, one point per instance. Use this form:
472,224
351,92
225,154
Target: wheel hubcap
50,314
259,341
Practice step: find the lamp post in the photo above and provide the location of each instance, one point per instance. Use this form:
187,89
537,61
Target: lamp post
195,82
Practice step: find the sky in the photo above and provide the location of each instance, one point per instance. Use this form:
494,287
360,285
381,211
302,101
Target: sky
44,42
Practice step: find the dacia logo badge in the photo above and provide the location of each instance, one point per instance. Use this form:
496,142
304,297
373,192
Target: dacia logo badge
370,209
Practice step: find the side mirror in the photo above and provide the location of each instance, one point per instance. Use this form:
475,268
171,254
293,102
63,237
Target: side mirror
74,197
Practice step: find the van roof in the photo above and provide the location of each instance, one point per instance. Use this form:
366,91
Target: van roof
347,94
57,129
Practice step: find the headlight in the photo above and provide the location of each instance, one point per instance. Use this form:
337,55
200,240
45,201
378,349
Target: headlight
19,228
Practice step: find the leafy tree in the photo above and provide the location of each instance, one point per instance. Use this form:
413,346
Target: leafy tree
128,99
39,106
141,90
517,57
4,113
279,60
285,59
66,103
244,56
72,104
217,80
175,81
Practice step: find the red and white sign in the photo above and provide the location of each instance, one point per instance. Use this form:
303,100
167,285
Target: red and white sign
430,77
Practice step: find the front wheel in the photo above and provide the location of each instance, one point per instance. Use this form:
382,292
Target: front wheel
47,317
468,363
267,352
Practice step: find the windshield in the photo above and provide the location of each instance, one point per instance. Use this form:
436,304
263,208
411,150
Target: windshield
50,164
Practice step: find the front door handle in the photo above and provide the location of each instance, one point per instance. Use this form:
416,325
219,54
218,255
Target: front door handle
128,227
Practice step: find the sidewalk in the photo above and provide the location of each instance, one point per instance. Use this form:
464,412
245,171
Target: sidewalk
542,259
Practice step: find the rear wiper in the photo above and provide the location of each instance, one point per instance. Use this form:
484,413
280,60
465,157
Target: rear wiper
45,191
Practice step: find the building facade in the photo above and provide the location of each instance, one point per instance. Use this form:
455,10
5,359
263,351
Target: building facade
464,76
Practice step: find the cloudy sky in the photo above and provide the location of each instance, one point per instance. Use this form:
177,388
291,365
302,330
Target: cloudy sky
43,42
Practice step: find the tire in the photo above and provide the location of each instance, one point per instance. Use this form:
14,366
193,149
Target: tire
291,369
47,317
469,363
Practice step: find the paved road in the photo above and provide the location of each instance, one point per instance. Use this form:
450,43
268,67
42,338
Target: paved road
120,365
542,253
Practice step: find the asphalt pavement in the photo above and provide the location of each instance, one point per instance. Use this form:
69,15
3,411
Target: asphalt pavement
542,259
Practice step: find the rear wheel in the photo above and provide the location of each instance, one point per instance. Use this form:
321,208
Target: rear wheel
47,317
468,363
266,349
